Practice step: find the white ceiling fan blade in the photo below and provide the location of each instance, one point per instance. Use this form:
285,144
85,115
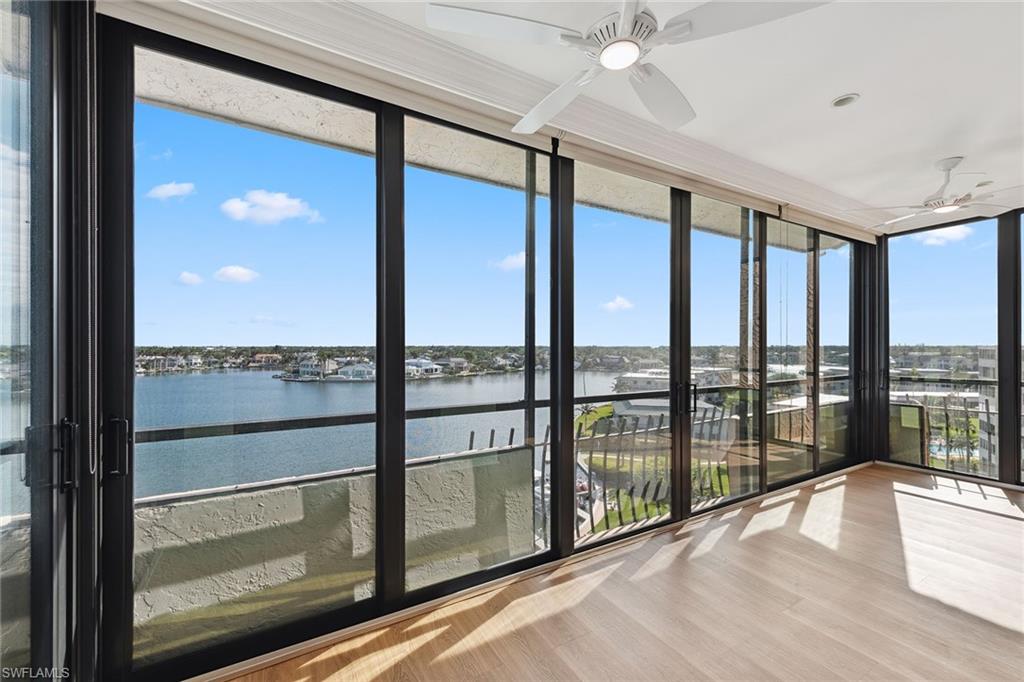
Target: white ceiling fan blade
485,24
630,8
901,219
962,183
718,18
882,208
989,209
660,95
986,194
557,99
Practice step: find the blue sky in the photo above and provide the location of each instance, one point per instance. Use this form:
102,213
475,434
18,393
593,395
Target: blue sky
942,286
244,237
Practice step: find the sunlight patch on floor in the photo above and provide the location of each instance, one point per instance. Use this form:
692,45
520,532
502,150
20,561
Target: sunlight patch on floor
969,584
769,518
823,518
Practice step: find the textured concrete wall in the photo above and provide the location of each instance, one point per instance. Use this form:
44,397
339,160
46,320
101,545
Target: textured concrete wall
214,566
217,566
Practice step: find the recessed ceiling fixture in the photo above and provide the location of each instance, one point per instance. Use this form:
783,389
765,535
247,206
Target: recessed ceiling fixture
620,54
945,209
845,100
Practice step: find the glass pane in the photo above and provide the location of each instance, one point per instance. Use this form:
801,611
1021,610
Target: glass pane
724,440
835,263
255,252
26,491
473,482
942,353
789,330
621,267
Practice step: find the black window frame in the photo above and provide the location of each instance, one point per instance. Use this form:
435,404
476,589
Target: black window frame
116,43
1008,347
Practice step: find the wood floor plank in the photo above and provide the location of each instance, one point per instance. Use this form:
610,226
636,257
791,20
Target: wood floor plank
881,573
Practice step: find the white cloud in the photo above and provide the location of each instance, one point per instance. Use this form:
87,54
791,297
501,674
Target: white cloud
162,156
190,278
616,304
267,208
945,235
236,273
513,261
169,190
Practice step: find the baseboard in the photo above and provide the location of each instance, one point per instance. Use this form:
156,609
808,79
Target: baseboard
951,474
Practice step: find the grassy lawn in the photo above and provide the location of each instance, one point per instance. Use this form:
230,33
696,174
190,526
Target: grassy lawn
596,414
625,514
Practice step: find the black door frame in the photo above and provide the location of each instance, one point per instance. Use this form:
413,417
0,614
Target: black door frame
1008,346
116,42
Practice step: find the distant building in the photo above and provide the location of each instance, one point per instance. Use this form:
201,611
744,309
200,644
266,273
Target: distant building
647,380
267,359
419,367
314,367
988,443
453,364
613,361
195,361
357,372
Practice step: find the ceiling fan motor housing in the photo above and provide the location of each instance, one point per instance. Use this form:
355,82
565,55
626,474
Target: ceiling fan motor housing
606,30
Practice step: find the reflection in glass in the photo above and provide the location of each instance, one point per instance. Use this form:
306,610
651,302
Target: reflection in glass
835,262
724,352
621,267
255,280
27,538
478,485
943,362
789,330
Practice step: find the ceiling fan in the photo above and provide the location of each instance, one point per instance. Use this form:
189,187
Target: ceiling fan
616,42
957,191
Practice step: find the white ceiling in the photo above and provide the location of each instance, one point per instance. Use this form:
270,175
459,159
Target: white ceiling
937,79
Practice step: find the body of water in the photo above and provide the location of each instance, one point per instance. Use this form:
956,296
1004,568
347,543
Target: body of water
193,399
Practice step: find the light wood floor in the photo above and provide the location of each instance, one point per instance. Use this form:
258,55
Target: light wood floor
882,573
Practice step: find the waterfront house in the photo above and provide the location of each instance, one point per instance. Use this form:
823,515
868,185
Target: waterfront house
356,372
455,365
266,359
315,367
421,367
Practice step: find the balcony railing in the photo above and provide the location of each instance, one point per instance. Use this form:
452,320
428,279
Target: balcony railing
953,428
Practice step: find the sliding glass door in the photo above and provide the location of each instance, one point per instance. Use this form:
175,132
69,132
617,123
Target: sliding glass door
791,351
943,355
724,352
765,293
477,479
622,424
254,337
37,465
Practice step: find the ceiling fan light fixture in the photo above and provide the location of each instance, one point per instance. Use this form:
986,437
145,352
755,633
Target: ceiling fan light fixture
619,54
945,209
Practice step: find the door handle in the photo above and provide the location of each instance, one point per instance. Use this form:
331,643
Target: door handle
120,435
